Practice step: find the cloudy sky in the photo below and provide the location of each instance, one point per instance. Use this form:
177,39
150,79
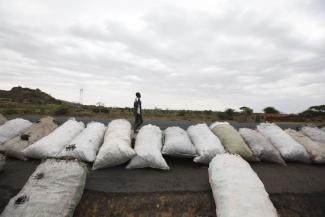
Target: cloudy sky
179,54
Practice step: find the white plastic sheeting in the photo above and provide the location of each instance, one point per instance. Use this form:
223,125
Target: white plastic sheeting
116,148
206,143
237,190
231,139
13,128
314,133
261,147
52,144
38,130
85,146
315,149
148,146
178,143
3,119
54,189
2,162
288,147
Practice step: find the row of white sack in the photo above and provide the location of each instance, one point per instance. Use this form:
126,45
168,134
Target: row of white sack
116,148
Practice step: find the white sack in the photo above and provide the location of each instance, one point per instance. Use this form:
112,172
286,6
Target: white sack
323,129
2,162
148,146
177,143
315,149
3,119
231,140
261,147
52,144
35,132
13,128
53,190
86,144
314,133
288,147
116,148
206,143
237,190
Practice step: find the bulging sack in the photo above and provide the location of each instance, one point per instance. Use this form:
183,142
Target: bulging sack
315,149
148,146
35,132
205,142
85,145
52,144
3,119
314,133
231,139
116,148
261,147
54,189
13,128
237,190
290,149
177,143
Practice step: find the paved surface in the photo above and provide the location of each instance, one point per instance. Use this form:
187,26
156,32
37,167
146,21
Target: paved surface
297,190
184,175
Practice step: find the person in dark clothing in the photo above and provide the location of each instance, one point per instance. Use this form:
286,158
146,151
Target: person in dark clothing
137,111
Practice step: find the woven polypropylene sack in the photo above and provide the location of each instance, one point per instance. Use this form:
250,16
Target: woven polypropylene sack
13,128
3,119
116,148
85,145
237,190
290,149
231,139
316,150
314,133
206,143
148,146
54,189
261,147
35,132
52,144
177,143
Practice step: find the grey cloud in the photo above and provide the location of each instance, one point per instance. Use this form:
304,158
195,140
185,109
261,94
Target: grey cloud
239,57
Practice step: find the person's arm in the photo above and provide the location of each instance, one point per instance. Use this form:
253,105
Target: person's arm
135,106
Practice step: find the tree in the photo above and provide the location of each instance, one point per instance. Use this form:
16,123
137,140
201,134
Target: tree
270,110
230,113
100,105
246,110
314,111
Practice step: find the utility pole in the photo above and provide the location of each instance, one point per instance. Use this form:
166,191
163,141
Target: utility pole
81,96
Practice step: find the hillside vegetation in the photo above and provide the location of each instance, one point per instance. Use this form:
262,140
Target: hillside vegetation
26,101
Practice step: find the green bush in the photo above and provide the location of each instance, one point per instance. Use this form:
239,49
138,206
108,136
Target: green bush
62,110
10,111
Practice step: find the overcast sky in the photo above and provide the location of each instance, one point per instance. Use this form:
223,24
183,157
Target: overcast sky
178,54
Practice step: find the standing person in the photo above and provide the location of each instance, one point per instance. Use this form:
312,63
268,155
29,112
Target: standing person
137,111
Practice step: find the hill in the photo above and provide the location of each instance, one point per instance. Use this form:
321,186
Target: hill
27,96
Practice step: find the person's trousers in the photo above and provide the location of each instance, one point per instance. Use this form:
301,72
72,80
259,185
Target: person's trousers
137,121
